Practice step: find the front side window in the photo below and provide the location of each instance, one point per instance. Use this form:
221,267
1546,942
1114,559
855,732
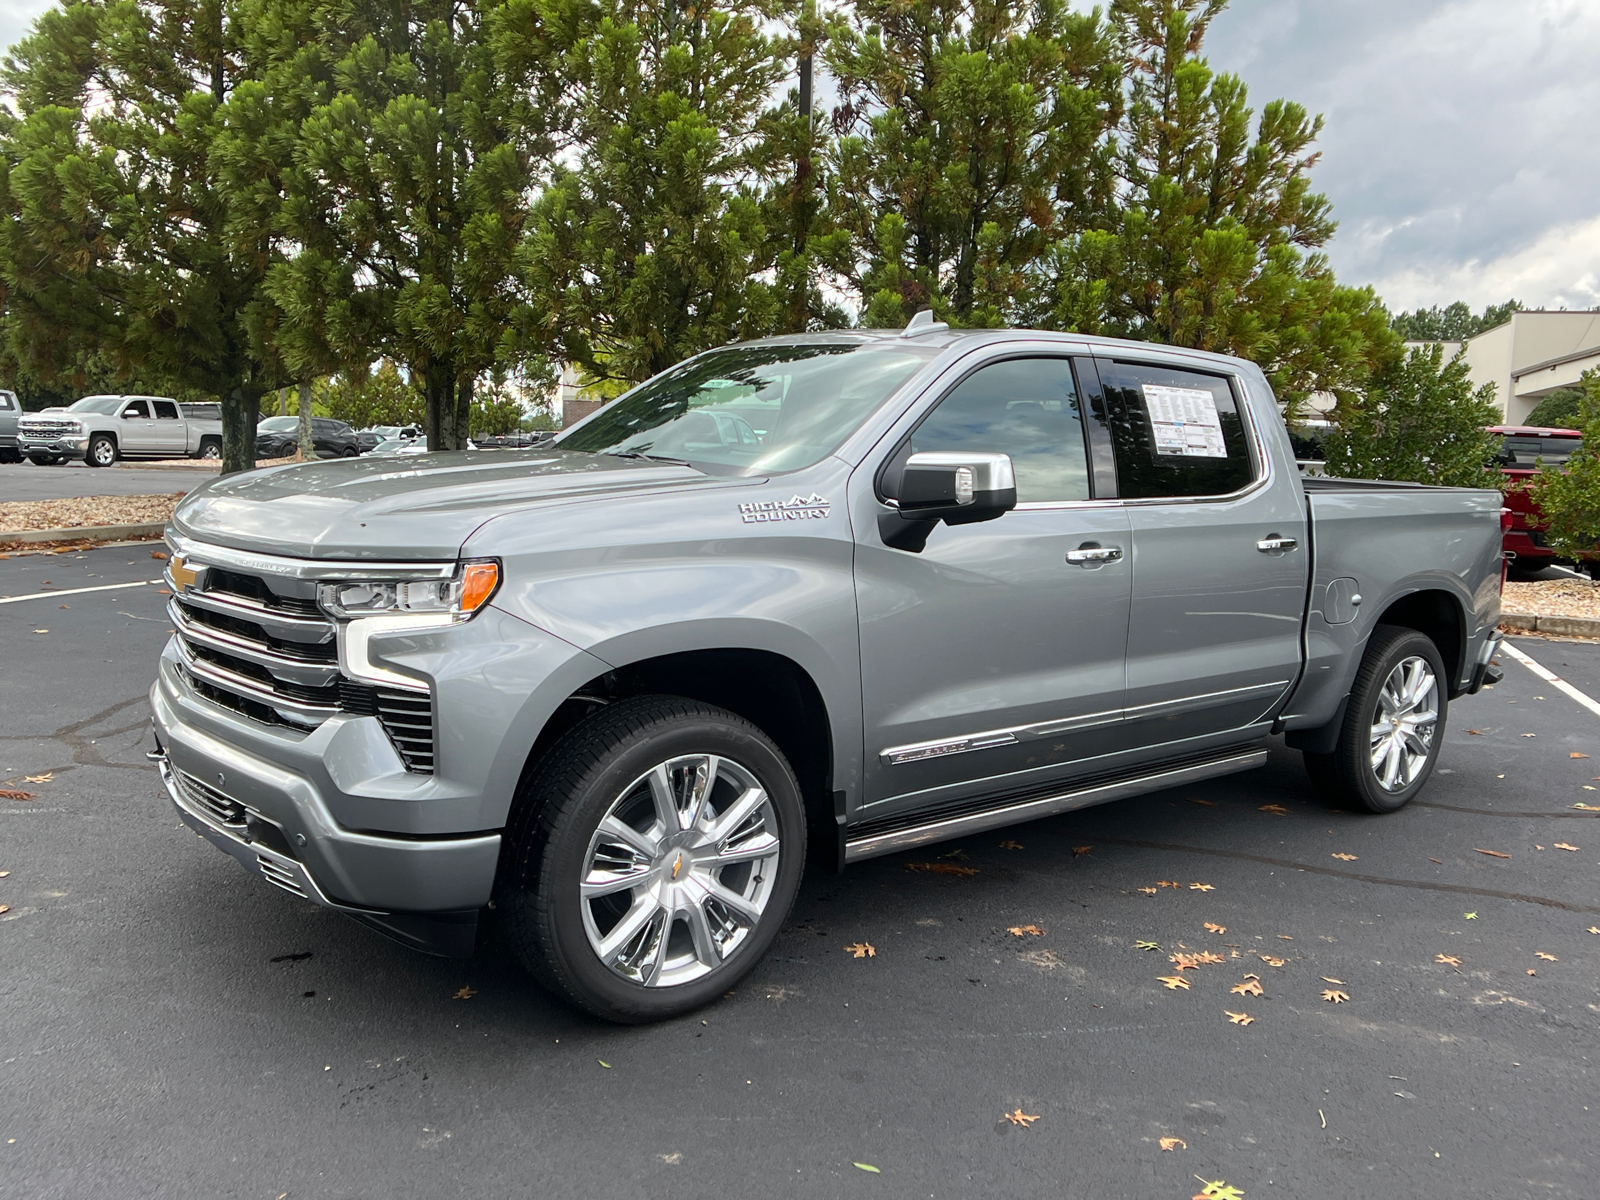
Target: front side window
7,403
136,408
1176,433
752,410
1025,407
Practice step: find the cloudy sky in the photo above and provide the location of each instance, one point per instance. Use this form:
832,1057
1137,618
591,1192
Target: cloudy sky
1460,153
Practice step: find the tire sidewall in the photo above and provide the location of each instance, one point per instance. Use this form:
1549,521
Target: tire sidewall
95,443
1357,752
562,862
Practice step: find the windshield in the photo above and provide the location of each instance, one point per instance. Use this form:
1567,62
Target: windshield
97,404
752,409
278,425
1527,450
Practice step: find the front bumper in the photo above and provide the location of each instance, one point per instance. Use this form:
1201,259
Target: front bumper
71,447
423,891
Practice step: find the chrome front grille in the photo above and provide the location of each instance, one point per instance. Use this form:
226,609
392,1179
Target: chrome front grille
274,658
45,429
223,808
278,874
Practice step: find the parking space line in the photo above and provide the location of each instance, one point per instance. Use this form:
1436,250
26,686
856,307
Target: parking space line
1551,677
103,587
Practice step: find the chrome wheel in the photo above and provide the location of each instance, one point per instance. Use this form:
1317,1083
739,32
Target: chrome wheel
1403,728
679,870
104,452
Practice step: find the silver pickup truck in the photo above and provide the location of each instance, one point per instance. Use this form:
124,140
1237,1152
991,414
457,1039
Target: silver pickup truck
810,599
102,429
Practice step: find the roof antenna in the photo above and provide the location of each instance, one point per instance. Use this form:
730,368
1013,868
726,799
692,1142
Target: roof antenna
921,323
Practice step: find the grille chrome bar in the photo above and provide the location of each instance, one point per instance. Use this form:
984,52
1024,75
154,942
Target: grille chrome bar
220,806
290,669
289,626
253,689
305,568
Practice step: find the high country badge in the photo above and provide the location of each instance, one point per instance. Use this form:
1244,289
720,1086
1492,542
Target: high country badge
799,508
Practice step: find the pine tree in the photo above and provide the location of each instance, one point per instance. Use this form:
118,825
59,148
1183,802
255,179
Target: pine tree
120,245
1421,421
975,137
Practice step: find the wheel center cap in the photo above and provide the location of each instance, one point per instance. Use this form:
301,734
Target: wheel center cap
677,864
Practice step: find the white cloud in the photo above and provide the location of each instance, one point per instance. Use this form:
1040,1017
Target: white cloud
16,16
1559,270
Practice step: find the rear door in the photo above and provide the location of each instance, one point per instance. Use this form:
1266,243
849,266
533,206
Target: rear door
168,433
991,661
1219,552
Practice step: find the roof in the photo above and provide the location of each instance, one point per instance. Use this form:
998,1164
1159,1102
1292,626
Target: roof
946,338
1534,431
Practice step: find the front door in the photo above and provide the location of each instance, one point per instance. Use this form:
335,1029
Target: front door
1219,554
136,432
990,661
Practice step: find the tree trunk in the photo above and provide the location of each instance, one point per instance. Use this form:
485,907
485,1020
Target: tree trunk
438,393
308,448
241,409
463,414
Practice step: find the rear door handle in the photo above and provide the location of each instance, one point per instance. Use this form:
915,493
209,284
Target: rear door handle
1090,554
1273,542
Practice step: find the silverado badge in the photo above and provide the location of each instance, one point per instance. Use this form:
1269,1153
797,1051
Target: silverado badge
799,508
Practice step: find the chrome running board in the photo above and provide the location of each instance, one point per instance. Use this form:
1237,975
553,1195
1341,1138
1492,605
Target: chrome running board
938,829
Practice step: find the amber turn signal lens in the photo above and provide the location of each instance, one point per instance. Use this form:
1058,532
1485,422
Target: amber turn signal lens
478,581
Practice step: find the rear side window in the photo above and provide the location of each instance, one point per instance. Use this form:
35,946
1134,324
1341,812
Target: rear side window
166,410
1175,432
1025,407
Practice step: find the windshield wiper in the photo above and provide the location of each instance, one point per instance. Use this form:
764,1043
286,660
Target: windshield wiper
680,462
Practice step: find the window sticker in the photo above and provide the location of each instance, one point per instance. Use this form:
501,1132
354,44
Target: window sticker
1184,421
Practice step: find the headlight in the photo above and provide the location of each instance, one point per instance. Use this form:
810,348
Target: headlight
458,598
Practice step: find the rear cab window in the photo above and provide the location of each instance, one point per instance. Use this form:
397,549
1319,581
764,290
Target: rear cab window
1175,432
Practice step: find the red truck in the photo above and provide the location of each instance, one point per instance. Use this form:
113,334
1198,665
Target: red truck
1523,448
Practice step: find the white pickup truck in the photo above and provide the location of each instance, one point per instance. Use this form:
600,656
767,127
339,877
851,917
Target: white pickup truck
102,429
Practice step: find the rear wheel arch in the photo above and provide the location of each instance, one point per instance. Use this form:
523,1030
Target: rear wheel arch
1440,616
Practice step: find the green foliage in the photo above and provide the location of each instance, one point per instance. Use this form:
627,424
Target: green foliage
976,137
379,397
121,244
1569,496
1453,323
654,243
1420,422
1213,242
1559,410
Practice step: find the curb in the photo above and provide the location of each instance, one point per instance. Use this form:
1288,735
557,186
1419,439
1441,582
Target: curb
90,533
1568,626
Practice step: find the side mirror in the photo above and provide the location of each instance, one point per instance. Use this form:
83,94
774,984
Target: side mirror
130,412
950,486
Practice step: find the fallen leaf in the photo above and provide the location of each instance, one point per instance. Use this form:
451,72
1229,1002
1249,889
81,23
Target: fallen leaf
1148,891
1546,957
1588,787
1475,732
158,554
862,950
45,778
466,993
1538,847
1345,857
1250,987
1588,807
1174,982
1201,887
1239,1018
1215,928
866,1167
1011,845
3,874
1021,1118
942,868
1594,929
1188,962
603,1063
1472,916
14,794
1078,851
1025,931
956,855
1271,961
1575,754
1530,735
1279,809
41,631
1218,1191
1284,937
1147,945
5,908
1448,960
1435,860
1334,997
1558,845
1330,979
1207,803
1174,1143
1172,883
1531,971
1491,853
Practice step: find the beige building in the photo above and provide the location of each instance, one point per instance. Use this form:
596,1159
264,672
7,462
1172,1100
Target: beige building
1532,355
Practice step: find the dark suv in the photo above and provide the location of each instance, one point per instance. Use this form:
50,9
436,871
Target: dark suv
279,437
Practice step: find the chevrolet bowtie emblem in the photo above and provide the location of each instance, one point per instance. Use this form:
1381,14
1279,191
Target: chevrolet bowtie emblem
183,575
677,866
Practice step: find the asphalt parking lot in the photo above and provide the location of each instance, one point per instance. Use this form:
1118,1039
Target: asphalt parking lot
174,1027
24,481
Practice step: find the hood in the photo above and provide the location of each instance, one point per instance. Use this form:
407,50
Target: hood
405,508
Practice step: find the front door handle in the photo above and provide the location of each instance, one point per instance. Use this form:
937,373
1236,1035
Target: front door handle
1273,542
1091,554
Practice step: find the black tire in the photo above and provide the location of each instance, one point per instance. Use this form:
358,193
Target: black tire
10,455
1347,777
351,452
557,811
102,451
210,448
